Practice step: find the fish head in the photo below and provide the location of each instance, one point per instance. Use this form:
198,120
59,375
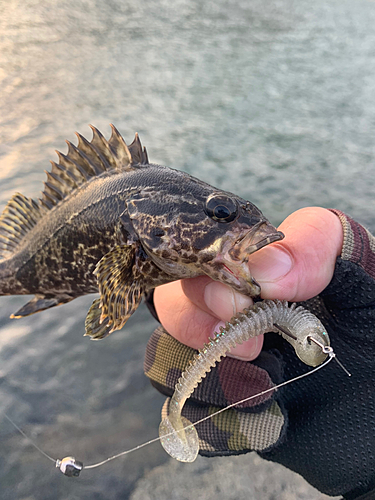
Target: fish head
237,230
190,228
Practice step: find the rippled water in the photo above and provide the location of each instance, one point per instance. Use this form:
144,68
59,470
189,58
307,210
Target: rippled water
274,101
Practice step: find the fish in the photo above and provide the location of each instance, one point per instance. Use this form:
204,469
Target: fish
109,221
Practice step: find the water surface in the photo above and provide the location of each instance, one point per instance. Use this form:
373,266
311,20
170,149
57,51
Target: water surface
274,102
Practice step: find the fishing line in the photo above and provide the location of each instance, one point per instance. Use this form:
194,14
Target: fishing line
72,467
29,439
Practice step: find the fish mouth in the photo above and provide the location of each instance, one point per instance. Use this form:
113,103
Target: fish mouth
235,258
261,234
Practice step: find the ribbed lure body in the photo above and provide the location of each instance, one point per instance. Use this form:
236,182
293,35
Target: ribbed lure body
256,320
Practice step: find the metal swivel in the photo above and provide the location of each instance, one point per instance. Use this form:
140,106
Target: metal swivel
69,466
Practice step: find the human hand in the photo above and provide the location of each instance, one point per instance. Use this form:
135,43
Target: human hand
317,425
297,268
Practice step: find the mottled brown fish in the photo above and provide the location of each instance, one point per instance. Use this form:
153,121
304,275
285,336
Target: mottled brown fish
110,221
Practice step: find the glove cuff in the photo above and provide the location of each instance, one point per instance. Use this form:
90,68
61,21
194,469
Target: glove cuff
358,245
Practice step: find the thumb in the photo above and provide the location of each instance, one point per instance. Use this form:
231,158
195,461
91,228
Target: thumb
302,264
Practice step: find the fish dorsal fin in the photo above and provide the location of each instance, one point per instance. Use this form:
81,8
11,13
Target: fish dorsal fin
88,160
83,162
19,216
138,153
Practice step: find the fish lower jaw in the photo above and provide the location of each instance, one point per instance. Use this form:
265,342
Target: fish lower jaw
230,274
237,275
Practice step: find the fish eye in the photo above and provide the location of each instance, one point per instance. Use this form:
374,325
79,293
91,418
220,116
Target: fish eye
221,208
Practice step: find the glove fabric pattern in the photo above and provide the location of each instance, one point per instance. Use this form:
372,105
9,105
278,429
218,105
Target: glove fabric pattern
322,427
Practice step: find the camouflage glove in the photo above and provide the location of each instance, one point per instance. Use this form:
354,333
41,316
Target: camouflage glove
323,426
254,425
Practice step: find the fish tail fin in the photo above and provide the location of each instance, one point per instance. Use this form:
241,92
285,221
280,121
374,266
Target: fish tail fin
18,218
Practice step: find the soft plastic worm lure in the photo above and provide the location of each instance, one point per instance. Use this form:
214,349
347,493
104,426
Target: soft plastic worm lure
177,435
298,326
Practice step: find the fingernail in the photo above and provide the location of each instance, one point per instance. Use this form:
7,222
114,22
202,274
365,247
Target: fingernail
223,301
270,264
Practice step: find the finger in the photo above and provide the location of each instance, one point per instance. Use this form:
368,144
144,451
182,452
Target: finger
301,265
297,268
214,297
193,325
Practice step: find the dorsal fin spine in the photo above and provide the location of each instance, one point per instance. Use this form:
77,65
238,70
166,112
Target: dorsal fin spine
145,155
53,185
138,154
55,190
50,197
89,156
119,148
34,204
46,203
68,175
58,179
101,144
82,163
87,163
66,163
98,162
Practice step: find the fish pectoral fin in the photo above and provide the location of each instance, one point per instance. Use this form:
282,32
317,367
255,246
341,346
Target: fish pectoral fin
40,303
120,285
94,328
